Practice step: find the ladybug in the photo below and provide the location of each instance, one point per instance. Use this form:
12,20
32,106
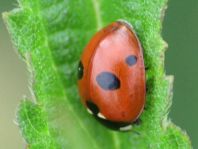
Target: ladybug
111,76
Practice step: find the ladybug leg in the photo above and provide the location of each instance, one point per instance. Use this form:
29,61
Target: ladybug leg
126,128
137,122
147,88
89,111
100,115
146,68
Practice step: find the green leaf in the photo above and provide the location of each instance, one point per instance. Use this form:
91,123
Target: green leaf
33,124
50,36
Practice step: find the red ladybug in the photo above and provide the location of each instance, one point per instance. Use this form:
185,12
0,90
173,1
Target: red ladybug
111,76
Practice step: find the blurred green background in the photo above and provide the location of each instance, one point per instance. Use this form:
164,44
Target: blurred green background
180,30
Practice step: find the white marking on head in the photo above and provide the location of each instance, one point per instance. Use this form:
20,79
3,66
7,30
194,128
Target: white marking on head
126,128
89,111
100,115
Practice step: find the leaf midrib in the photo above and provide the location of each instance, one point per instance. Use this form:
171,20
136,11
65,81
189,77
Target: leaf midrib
94,142
96,6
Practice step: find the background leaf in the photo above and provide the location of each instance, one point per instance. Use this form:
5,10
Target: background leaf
50,35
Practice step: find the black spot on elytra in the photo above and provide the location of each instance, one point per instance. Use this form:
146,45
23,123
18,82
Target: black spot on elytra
131,60
108,81
93,107
80,70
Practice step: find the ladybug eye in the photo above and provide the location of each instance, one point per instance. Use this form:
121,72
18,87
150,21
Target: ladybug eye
80,70
108,81
131,60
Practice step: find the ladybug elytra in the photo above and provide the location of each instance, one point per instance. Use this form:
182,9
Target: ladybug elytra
111,76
